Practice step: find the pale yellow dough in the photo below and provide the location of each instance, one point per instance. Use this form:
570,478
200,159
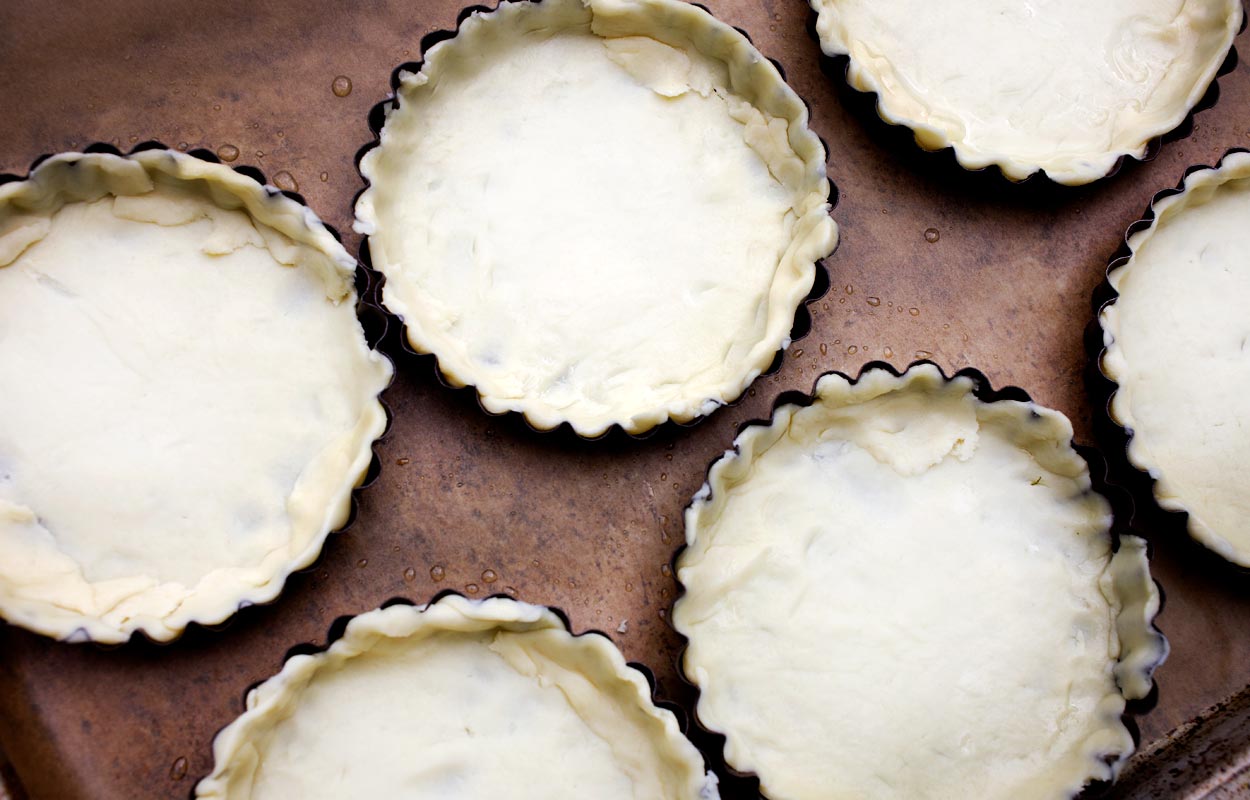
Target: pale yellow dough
1065,86
188,397
601,213
902,592
1176,339
461,700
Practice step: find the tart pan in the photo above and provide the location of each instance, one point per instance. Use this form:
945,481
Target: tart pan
85,566
1145,646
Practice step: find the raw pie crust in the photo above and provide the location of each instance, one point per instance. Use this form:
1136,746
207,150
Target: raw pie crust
601,212
189,398
459,700
902,591
1068,86
1176,342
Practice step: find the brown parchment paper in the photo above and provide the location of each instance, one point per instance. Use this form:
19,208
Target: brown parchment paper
935,263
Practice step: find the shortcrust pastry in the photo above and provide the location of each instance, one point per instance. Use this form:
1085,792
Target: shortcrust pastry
600,212
458,701
188,396
1067,86
1178,346
902,591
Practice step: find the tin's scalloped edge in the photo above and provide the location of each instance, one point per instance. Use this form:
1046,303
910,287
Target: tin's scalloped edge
712,742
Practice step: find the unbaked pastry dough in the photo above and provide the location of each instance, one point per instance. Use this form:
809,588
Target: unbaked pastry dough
460,701
1178,345
188,397
1065,86
904,592
601,212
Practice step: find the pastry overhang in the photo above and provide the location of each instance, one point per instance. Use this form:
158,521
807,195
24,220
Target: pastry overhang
602,212
1176,346
902,591
461,700
1069,87
189,398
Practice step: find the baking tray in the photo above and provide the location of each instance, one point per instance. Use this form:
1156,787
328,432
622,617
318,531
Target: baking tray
962,268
